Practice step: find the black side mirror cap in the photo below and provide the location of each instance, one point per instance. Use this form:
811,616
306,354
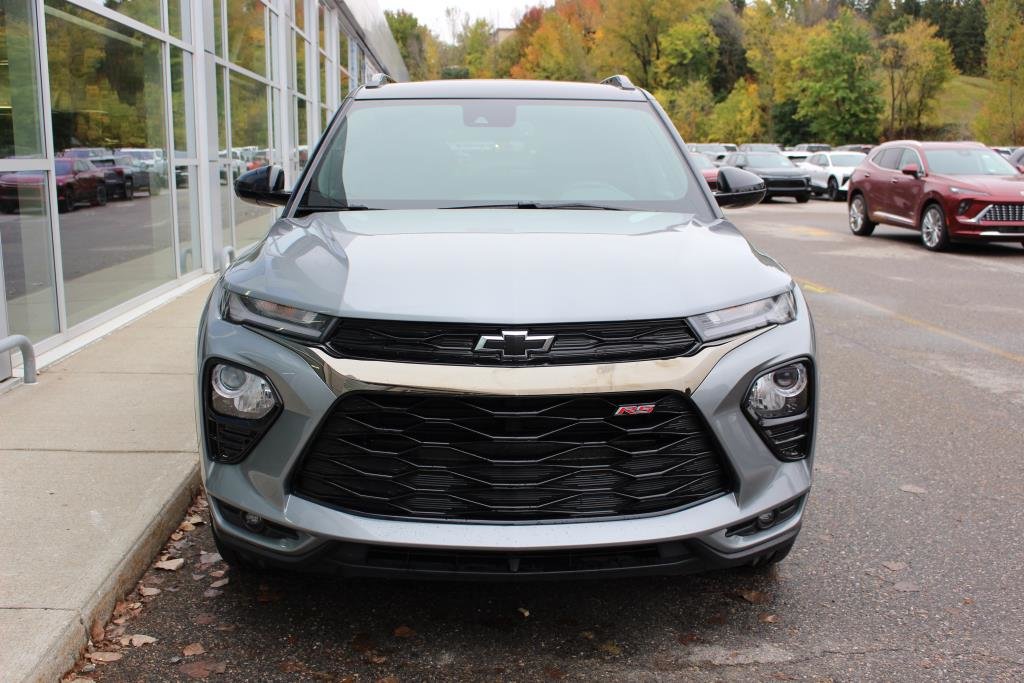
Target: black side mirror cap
739,188
263,186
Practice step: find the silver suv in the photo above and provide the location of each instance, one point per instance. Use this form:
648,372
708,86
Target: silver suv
503,330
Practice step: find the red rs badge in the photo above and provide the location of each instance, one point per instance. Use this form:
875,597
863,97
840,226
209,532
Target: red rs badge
641,409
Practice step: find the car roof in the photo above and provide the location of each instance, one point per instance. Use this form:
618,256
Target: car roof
499,89
917,144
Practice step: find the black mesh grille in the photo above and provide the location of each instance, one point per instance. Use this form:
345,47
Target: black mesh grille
785,183
1009,213
511,458
453,343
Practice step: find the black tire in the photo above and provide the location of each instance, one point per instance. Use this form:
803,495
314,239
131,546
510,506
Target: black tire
803,198
100,198
128,191
833,190
934,233
859,221
67,205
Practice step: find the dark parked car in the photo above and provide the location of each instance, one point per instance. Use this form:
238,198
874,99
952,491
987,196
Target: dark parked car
813,147
707,169
125,177
78,181
782,177
949,191
759,147
714,151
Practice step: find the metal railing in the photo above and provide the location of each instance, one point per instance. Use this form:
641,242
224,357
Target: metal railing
28,354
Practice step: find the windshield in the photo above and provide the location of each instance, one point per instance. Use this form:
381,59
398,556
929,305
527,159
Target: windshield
767,160
458,153
847,159
103,162
967,162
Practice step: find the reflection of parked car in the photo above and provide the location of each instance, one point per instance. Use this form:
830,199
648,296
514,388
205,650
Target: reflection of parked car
780,175
707,169
78,181
148,158
84,152
124,178
948,190
830,172
1017,158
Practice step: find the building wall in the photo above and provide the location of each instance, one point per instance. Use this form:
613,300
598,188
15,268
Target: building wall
124,122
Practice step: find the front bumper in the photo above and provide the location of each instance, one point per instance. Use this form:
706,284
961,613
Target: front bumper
310,382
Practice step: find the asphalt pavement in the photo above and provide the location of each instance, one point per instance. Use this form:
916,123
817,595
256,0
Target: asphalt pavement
909,566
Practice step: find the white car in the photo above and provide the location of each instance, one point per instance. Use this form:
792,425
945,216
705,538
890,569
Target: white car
830,172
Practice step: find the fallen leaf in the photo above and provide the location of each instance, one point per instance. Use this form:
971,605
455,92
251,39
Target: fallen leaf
96,632
138,640
717,619
120,620
185,526
610,648
588,635
968,601
205,618
217,574
768,618
212,593
525,612
911,488
906,587
194,519
202,668
687,638
148,591
362,642
170,565
209,558
198,577
554,673
404,632
177,536
894,566
754,597
375,657
220,583
104,657
388,679
193,649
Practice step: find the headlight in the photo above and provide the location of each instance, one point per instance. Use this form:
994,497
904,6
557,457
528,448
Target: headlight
238,393
967,190
278,317
726,322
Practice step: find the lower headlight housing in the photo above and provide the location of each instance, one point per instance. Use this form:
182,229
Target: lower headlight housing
240,405
780,405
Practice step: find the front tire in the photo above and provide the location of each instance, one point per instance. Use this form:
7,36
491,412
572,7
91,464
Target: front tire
100,199
934,234
860,224
803,198
833,190
128,191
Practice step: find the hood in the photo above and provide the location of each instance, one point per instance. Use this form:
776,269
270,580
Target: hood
1007,188
778,171
506,266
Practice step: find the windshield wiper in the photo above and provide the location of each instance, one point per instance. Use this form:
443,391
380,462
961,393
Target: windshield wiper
537,205
309,208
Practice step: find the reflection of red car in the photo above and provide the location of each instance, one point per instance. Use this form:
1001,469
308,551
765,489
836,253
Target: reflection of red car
77,181
948,190
707,169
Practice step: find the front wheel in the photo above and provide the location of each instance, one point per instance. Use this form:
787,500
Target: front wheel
803,198
100,198
860,224
934,234
833,190
129,190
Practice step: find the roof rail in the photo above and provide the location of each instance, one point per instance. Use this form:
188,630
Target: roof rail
378,79
619,81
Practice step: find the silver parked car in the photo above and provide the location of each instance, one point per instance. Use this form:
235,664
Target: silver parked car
503,330
830,172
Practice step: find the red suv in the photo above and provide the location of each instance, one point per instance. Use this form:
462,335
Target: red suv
949,191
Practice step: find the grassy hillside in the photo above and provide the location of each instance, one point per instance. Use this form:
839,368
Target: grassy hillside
958,105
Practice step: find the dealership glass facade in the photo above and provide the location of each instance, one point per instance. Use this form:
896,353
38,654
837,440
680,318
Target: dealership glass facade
124,122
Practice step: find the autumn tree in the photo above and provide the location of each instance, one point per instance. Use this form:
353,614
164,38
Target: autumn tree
417,45
916,64
738,118
1002,118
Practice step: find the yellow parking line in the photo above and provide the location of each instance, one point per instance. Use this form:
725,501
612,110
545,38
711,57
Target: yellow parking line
809,231
914,322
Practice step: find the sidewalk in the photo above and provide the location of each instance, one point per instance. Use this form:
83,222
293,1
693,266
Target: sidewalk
98,462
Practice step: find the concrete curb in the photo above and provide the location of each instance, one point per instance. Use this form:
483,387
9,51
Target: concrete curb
71,641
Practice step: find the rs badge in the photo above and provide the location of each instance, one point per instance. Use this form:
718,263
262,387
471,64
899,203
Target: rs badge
640,409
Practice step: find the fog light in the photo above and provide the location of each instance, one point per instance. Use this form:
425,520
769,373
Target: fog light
766,519
238,393
253,522
961,209
780,393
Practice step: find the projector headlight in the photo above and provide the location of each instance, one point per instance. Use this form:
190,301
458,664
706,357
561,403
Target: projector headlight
248,310
726,322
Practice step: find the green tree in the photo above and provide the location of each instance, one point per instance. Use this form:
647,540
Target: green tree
738,118
840,99
916,64
689,52
690,108
417,45
1002,116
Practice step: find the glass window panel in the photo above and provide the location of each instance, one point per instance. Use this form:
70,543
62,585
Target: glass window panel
179,21
222,115
189,243
343,84
301,134
218,31
299,13
323,78
182,95
299,54
343,49
146,11
250,140
320,25
20,134
247,35
26,243
107,93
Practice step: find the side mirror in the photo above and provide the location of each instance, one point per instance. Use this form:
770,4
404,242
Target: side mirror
263,186
739,188
911,170
1020,167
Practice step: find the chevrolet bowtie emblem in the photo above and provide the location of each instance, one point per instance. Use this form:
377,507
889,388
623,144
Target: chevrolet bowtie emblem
514,344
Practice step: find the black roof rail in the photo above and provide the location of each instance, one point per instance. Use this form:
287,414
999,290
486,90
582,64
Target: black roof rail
619,81
378,79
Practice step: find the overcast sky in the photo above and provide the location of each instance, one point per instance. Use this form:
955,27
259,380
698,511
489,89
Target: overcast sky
501,13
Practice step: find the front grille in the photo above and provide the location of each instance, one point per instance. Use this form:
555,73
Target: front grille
1008,213
785,183
506,458
454,343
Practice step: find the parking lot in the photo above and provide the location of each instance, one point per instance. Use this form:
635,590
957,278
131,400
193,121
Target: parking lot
908,566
